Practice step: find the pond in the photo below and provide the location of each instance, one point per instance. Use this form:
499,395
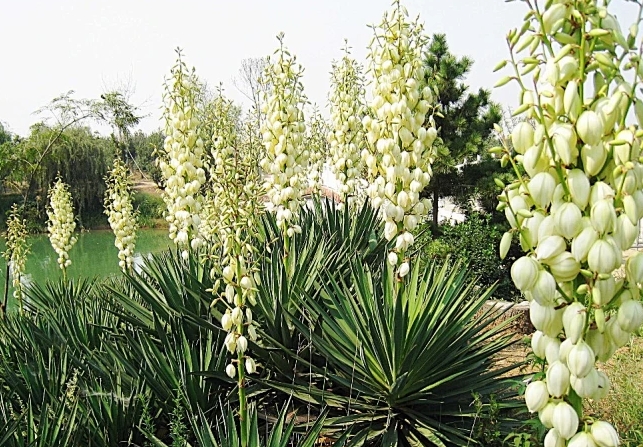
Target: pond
93,255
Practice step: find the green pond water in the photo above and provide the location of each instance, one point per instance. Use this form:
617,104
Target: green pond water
94,255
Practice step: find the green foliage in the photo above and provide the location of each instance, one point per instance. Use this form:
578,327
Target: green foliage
150,208
143,149
79,157
476,240
467,119
400,369
138,360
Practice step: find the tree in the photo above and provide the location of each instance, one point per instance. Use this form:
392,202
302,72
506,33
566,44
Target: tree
66,112
8,142
122,116
466,119
79,157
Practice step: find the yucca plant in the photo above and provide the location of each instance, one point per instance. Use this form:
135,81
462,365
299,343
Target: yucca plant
222,431
401,367
174,343
57,352
330,237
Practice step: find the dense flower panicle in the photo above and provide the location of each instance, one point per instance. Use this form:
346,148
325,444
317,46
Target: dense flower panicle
283,131
346,137
400,152
122,217
61,223
182,165
17,249
576,209
318,146
236,206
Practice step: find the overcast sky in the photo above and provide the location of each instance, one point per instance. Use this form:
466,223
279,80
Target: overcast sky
91,46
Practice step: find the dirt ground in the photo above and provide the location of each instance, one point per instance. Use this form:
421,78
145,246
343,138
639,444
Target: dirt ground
146,185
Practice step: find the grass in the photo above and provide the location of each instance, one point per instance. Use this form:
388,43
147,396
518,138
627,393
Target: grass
623,407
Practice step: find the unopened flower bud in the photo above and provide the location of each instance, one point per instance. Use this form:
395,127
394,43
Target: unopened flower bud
536,396
565,420
604,434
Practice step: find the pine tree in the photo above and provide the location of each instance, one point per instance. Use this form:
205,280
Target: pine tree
467,119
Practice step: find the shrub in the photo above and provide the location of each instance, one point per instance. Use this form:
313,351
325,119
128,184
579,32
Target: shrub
476,240
150,208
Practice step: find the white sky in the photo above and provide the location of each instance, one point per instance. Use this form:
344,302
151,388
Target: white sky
51,46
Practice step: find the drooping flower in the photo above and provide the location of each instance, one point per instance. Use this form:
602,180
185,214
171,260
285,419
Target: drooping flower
574,206
400,129
182,164
283,131
61,223
122,217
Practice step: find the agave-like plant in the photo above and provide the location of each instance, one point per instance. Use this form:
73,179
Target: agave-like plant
330,237
223,431
174,342
402,364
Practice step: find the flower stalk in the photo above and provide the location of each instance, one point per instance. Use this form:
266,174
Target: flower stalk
61,224
15,255
183,163
575,210
122,217
399,130
237,191
346,137
286,158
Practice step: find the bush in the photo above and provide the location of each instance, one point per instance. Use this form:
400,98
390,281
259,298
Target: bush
476,240
150,207
141,358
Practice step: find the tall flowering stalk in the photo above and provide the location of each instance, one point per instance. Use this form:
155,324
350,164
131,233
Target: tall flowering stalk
237,193
317,144
16,252
122,217
182,164
399,138
576,208
61,223
346,137
283,132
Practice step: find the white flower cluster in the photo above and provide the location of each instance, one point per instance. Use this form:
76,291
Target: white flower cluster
182,166
122,217
17,249
283,132
317,144
577,208
237,205
399,139
346,137
237,320
61,223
